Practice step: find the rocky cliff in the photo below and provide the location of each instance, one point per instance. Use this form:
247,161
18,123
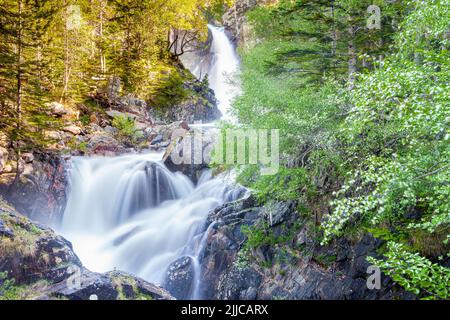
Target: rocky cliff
236,23
271,252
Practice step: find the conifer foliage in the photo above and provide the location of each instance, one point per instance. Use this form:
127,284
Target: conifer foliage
66,50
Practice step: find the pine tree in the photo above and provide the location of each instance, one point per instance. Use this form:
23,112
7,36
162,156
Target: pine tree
23,87
332,36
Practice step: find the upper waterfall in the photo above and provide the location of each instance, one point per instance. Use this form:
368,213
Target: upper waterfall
220,66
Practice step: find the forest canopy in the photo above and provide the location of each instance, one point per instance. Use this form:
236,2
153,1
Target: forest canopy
66,50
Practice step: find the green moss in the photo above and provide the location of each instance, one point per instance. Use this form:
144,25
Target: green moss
35,230
120,280
127,130
430,244
171,91
325,260
10,290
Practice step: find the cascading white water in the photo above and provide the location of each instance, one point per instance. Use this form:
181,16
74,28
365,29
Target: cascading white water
133,214
221,68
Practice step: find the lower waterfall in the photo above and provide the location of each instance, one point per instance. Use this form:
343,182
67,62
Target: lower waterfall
131,213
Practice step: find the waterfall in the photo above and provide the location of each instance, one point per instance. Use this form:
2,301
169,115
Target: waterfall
220,65
131,213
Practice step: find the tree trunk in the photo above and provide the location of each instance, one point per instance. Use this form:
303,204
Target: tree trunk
19,89
66,58
352,60
103,5
334,37
19,63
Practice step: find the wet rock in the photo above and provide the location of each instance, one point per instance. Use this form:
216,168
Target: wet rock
312,272
239,284
3,158
189,151
222,246
5,231
46,257
73,129
51,270
28,157
58,109
40,192
180,278
114,285
158,139
84,286
277,212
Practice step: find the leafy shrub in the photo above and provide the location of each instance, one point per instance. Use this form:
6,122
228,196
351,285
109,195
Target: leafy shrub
170,91
127,129
283,186
397,133
415,273
8,291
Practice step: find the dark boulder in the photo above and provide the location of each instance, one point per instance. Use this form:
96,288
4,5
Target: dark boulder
114,285
189,151
40,191
180,278
239,284
45,266
200,105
